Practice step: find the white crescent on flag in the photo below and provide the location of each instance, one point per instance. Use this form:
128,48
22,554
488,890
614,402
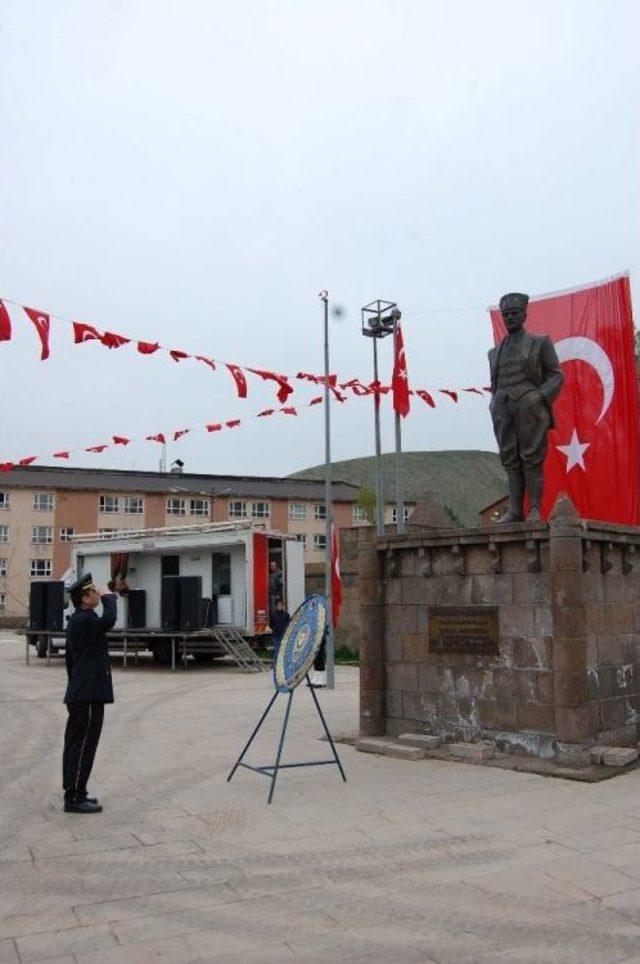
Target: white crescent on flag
589,351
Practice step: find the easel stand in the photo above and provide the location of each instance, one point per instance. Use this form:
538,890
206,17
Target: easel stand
272,770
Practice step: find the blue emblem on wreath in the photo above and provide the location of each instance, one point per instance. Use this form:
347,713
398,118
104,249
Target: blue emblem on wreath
301,641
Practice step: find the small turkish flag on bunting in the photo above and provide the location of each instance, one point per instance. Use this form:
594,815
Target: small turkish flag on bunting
288,411
267,411
6,466
111,340
42,324
120,440
97,448
208,361
5,323
178,355
180,433
447,391
476,391
28,461
148,347
156,438
400,380
284,388
233,424
239,379
82,332
214,427
61,455
426,397
318,400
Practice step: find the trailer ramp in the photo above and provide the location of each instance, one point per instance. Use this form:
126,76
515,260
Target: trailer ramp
236,646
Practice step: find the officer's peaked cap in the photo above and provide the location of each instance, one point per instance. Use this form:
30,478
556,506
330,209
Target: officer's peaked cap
513,300
80,585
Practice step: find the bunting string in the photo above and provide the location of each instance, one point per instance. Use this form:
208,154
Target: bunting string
84,332
163,438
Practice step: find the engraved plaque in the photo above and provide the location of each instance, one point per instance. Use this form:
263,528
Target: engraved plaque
464,629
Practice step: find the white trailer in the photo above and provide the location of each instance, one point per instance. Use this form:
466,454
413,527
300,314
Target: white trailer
231,558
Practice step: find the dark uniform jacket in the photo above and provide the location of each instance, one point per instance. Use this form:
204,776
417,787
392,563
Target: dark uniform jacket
87,654
540,365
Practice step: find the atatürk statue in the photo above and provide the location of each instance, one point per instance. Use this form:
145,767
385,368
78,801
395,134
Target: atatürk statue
525,381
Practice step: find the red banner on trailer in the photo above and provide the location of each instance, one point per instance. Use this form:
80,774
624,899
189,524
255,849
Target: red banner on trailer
260,582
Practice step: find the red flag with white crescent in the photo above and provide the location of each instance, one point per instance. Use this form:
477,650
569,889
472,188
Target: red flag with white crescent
593,452
5,323
336,580
42,324
400,380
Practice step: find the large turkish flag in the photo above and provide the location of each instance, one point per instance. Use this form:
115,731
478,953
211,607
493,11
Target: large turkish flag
594,449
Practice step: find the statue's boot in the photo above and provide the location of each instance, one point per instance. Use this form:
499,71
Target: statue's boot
534,481
514,511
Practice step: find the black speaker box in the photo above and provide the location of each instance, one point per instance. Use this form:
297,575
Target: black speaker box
136,608
190,604
38,605
55,605
170,602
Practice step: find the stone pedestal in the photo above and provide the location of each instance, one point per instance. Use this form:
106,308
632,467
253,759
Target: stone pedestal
566,669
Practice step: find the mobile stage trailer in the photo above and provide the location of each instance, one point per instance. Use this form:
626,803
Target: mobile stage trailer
224,571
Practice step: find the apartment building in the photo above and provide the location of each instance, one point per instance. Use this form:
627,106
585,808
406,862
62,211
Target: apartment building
42,508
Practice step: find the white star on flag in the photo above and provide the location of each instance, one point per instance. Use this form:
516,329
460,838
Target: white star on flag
574,452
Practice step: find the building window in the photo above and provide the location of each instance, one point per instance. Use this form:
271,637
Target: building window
199,507
301,537
4,500
319,512
41,535
319,542
133,504
103,530
3,600
4,533
109,504
176,507
359,513
260,510
66,535
297,511
3,567
406,512
43,502
41,567
237,510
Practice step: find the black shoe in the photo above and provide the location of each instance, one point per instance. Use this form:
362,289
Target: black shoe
91,799
81,806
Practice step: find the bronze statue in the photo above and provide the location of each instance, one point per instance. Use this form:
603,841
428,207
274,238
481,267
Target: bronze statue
525,381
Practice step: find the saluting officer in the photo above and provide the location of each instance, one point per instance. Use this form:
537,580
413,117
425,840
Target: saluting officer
89,688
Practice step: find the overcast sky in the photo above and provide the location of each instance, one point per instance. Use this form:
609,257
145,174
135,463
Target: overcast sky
195,172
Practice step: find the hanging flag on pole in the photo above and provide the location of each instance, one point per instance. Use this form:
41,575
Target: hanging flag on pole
336,580
593,452
400,380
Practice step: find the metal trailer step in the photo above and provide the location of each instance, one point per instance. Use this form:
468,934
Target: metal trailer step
237,647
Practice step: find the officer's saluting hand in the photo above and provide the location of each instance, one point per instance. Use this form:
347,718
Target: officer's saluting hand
89,687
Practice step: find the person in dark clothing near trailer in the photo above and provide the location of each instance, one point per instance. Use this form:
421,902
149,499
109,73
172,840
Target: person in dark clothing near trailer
89,687
280,619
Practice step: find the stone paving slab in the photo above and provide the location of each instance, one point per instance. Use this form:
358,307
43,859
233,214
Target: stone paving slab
432,861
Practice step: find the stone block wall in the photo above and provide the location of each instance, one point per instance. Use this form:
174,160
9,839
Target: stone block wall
567,669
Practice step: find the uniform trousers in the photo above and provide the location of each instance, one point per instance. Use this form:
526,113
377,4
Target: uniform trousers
521,426
84,726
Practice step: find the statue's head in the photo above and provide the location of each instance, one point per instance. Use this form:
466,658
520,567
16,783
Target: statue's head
513,308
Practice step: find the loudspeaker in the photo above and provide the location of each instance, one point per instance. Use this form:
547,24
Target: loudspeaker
170,602
38,605
136,609
46,605
190,603
55,605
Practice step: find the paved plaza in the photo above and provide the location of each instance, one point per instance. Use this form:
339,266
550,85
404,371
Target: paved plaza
409,861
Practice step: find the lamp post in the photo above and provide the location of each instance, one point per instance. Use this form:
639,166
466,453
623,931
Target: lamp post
375,325
328,507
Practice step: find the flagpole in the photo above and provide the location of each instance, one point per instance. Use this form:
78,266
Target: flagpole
400,525
330,649
376,422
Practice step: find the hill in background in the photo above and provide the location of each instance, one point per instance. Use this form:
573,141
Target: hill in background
463,482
